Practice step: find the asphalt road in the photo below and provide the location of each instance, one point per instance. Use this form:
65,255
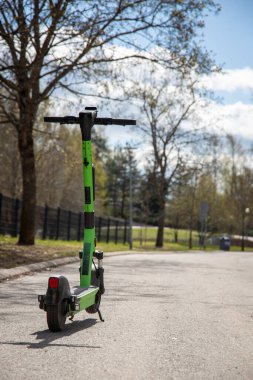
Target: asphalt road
167,316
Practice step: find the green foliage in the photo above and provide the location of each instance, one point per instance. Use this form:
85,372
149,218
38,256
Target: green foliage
59,167
148,199
118,177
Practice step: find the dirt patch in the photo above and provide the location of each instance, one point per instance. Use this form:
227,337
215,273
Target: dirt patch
12,255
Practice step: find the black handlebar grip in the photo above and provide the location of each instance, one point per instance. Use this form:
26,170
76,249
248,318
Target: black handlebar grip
62,120
103,120
123,121
53,119
109,120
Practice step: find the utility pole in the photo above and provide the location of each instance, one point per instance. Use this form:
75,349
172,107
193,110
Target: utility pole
246,213
130,200
129,150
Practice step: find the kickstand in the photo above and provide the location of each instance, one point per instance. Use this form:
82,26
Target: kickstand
72,317
100,316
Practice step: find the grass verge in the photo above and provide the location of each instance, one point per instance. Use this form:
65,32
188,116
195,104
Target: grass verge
12,255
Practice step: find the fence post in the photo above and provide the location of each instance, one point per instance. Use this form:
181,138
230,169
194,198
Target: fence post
79,226
1,202
140,235
108,230
44,234
125,232
16,210
58,223
69,225
116,232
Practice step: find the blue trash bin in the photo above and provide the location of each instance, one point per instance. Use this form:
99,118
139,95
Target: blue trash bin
225,243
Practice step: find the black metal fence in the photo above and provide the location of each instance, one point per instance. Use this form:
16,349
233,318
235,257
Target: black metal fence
57,223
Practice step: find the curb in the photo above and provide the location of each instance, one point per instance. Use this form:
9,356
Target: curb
7,274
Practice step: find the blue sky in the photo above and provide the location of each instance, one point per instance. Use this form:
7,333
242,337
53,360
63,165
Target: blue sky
229,34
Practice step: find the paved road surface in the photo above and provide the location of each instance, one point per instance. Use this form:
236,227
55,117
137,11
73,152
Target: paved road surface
168,316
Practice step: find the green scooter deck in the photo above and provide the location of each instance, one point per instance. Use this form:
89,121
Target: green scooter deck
85,296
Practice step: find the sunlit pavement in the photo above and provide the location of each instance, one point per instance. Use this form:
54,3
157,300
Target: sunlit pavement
167,316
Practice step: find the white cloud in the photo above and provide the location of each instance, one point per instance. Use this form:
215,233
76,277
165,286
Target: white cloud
230,80
236,119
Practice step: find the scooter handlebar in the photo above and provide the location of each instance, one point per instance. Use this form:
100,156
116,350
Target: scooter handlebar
98,120
62,120
108,120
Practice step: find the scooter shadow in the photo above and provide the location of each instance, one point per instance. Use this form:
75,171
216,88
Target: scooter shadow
47,337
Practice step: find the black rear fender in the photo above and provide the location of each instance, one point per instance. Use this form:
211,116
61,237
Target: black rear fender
57,291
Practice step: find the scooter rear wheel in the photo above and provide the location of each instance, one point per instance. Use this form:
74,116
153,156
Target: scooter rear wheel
56,316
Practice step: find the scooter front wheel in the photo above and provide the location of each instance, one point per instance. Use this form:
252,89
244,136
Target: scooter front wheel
56,316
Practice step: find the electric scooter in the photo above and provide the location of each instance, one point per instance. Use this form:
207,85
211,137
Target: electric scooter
61,301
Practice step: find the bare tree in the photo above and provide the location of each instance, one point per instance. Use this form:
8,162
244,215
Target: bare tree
45,43
165,104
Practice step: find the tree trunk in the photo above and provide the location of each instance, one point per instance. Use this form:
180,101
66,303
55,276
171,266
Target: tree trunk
161,221
27,223
243,236
176,236
190,238
191,215
122,208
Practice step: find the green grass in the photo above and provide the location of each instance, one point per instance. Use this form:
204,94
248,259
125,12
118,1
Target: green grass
107,247
73,245
150,233
148,242
12,255
147,236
